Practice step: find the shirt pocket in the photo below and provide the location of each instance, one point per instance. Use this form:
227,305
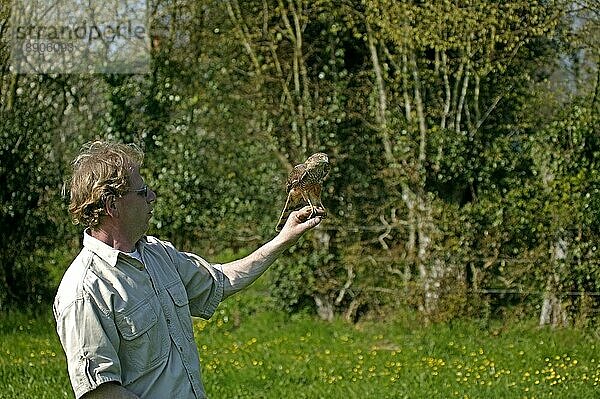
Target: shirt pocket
143,344
182,308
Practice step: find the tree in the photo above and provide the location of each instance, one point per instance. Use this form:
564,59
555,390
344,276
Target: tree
448,82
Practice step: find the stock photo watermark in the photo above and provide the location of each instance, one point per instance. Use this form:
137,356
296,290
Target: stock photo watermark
71,36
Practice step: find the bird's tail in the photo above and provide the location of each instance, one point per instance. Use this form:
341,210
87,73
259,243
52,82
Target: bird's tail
284,216
282,219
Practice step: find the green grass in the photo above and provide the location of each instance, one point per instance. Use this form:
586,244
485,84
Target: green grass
247,352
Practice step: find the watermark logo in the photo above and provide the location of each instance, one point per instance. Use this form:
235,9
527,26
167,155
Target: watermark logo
75,36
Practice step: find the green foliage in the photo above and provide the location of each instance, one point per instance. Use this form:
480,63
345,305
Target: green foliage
31,171
295,277
463,149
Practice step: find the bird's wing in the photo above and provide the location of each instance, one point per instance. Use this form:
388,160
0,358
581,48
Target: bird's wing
295,176
295,196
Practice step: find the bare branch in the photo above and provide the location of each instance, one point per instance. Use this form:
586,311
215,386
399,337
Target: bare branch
347,285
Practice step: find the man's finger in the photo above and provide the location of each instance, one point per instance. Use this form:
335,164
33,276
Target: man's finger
302,214
313,222
320,212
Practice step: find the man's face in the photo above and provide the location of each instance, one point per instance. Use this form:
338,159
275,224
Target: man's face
135,207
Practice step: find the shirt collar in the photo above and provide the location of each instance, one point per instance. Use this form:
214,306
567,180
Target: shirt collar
105,251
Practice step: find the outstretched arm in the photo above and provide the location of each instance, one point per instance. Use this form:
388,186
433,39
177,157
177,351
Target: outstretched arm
239,274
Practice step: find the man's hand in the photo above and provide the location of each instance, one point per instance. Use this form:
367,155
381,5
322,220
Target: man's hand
239,274
299,222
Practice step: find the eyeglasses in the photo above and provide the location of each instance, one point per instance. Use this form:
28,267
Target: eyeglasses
142,191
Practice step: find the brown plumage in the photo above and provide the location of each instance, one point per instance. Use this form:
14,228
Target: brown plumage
304,186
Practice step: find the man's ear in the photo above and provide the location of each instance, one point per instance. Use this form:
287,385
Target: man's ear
110,206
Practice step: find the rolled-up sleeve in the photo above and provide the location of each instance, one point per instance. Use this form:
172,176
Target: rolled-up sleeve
90,340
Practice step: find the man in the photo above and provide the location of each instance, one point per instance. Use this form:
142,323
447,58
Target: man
123,309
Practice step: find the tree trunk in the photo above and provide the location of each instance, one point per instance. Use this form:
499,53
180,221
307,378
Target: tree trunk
553,312
411,244
324,307
381,97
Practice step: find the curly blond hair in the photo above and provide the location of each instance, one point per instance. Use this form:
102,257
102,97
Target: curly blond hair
100,171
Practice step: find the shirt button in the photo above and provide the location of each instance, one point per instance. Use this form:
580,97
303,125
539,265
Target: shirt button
169,321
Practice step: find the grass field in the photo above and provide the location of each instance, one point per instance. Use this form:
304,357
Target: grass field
252,353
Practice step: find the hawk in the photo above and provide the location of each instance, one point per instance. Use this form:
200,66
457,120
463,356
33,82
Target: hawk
304,185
